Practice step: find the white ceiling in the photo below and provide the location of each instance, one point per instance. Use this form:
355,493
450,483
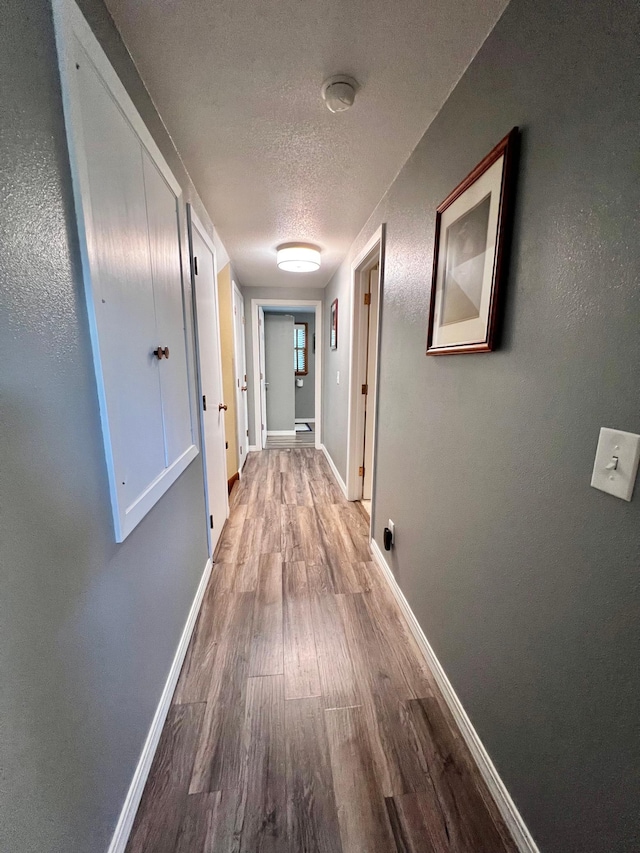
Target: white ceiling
237,83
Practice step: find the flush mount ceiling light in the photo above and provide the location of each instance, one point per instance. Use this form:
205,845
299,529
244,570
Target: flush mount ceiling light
298,257
339,92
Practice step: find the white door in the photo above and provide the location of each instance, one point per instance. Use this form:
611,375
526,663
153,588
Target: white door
210,366
372,355
240,362
263,381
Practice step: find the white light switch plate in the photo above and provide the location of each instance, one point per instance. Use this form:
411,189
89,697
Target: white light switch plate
618,479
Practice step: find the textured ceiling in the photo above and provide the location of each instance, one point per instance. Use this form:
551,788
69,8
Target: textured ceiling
237,83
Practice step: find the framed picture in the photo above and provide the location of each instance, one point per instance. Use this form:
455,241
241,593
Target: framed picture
333,340
471,230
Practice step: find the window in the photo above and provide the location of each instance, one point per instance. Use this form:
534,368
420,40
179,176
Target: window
300,364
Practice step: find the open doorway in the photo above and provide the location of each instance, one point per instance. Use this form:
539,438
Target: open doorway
287,370
366,281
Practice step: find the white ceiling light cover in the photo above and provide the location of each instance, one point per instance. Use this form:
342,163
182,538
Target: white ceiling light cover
298,257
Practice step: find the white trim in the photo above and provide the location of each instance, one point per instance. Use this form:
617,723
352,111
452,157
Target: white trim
510,814
281,432
372,253
252,448
134,795
305,420
334,470
318,304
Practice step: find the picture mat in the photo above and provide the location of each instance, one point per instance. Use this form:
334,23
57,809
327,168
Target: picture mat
473,330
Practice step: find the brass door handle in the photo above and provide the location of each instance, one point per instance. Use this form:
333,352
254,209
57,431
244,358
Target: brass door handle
161,353
222,407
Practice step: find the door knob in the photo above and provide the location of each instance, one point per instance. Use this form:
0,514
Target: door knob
244,388
222,407
161,353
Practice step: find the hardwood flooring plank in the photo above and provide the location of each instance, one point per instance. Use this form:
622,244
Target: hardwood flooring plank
301,676
200,660
200,812
245,576
266,656
312,818
417,824
219,762
383,687
264,826
301,541
161,811
457,783
362,814
337,677
229,544
387,622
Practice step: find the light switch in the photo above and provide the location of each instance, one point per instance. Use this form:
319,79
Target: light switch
616,464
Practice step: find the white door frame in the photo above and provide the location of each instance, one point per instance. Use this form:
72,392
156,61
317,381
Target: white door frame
372,254
193,219
240,351
293,304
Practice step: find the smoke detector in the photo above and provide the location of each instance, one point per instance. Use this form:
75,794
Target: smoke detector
339,92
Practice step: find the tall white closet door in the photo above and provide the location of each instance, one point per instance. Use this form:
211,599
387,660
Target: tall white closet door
123,297
167,287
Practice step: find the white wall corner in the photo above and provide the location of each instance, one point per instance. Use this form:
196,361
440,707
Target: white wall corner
510,814
222,256
334,470
134,794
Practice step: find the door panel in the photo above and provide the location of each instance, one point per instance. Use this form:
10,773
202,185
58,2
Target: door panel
279,372
206,298
118,245
372,356
240,362
263,386
167,290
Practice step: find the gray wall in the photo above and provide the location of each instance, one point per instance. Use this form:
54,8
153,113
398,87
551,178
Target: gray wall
88,628
295,294
306,396
525,579
278,357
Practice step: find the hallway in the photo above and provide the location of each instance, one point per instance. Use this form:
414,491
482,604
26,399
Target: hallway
304,718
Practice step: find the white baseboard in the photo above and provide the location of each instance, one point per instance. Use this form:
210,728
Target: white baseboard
134,795
281,432
510,814
335,471
305,420
253,448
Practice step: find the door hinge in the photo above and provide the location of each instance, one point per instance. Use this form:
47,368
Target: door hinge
245,377
247,432
211,521
204,402
195,265
361,471
365,389
241,450
238,383
226,445
367,299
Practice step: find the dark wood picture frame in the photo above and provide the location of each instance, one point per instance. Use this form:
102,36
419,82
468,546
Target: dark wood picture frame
333,338
505,148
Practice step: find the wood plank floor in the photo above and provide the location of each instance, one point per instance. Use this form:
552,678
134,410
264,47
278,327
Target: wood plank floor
305,719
